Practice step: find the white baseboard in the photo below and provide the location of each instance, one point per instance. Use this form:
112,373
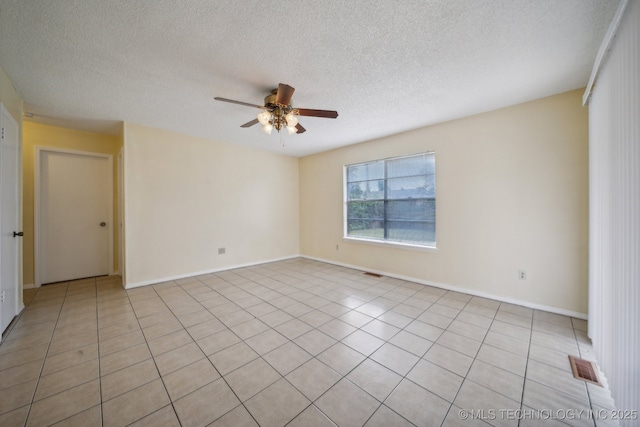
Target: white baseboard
528,304
33,286
474,292
200,273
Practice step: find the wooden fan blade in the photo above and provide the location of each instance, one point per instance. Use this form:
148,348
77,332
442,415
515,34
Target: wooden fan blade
300,128
284,94
317,113
249,124
217,98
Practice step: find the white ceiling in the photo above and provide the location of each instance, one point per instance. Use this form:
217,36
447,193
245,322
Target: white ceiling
385,66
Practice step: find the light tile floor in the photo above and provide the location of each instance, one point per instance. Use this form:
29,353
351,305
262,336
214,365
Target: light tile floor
297,343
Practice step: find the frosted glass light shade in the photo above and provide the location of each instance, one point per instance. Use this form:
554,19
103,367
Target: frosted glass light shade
292,120
264,118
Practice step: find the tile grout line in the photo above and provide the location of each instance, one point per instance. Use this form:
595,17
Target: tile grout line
140,385
526,367
46,353
585,384
472,362
493,319
386,341
206,356
99,358
344,377
283,377
313,357
146,341
381,403
403,377
419,357
126,367
554,388
217,370
547,385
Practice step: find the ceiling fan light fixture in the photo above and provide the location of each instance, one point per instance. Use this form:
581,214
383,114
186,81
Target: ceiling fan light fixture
278,113
291,119
267,128
264,118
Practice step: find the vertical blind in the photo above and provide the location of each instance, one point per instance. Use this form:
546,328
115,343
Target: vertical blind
614,211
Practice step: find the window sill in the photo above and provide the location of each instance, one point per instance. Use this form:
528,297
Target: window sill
392,244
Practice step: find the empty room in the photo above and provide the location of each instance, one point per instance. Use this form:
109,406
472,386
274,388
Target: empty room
320,213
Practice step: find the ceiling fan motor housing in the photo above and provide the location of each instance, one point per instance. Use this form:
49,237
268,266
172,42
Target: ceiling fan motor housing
270,100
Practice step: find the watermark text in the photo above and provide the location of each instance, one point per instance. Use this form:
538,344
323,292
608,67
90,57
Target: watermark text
548,414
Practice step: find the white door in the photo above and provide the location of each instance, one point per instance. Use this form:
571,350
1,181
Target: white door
74,215
9,215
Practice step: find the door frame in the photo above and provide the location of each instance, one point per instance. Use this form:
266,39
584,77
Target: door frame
121,225
37,196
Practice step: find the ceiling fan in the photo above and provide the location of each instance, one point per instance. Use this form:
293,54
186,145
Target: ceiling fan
278,112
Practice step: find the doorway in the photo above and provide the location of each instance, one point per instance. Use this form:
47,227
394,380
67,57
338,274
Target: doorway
73,215
9,219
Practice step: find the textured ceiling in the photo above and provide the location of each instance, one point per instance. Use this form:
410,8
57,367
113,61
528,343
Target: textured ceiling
385,66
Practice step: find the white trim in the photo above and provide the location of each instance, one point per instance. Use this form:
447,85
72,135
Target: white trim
344,201
200,273
38,150
120,222
389,243
474,292
604,49
29,286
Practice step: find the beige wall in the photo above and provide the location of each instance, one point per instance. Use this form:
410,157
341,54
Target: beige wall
185,197
512,194
512,189
49,136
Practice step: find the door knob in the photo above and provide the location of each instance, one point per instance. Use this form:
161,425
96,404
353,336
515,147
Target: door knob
18,233
103,224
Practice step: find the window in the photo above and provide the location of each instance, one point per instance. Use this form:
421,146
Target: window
392,200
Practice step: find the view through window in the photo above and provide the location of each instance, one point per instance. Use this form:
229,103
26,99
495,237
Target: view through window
392,200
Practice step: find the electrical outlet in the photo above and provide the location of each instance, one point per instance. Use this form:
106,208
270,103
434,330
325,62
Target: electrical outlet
222,251
522,275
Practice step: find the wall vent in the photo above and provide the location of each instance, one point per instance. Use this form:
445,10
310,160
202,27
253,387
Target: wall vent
584,370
